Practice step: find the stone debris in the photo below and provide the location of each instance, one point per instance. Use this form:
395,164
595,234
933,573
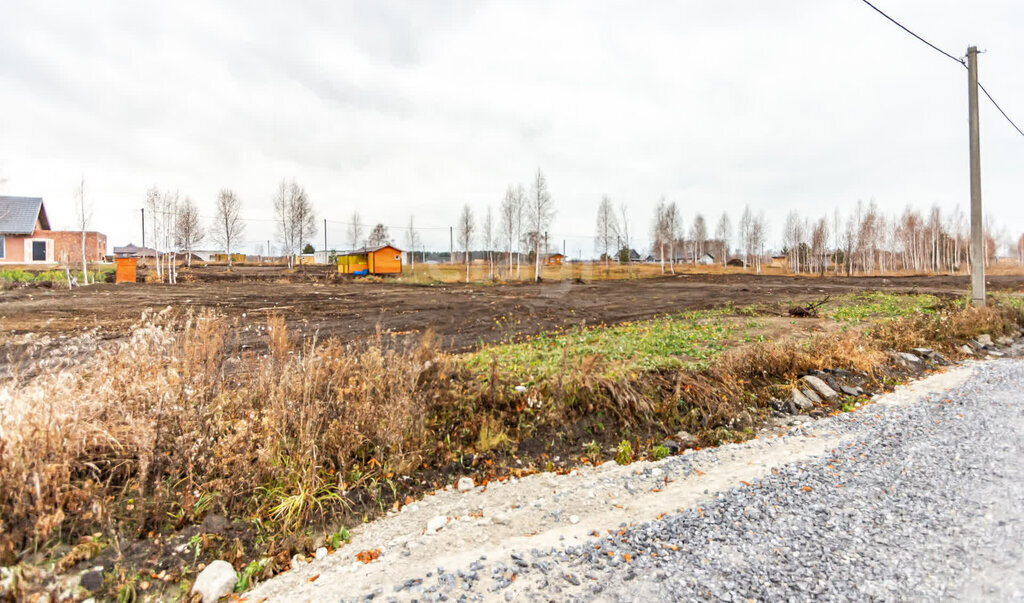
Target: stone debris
800,401
906,359
811,395
820,387
215,581
436,523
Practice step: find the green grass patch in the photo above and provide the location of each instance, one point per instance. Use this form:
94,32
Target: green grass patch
686,339
51,276
867,307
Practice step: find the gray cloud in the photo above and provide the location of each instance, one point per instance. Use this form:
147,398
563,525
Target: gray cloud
394,108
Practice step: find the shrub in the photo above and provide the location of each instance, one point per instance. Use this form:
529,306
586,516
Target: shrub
660,452
624,453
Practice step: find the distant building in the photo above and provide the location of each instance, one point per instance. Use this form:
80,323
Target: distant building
131,251
706,260
26,238
204,255
383,259
222,258
317,257
555,259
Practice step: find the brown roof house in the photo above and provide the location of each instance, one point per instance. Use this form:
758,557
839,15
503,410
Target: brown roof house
26,238
131,251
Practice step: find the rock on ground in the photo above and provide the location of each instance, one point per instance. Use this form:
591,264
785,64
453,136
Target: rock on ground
436,523
215,581
820,387
801,401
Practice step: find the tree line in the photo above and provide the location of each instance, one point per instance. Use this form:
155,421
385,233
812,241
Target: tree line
868,240
864,241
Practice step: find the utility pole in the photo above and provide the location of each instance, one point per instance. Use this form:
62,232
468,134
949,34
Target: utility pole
143,210
977,236
451,244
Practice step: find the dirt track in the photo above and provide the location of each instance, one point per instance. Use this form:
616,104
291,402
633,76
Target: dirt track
463,315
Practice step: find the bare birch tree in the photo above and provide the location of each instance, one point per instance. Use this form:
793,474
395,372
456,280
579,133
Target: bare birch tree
488,232
623,239
295,217
412,241
540,213
285,226
303,215
355,230
793,240
228,226
746,231
163,209
466,228
819,246
606,229
84,214
674,229
154,203
509,218
758,239
188,229
723,232
662,231
520,194
700,236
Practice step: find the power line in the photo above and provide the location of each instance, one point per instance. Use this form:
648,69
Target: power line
1000,109
947,55
405,227
904,28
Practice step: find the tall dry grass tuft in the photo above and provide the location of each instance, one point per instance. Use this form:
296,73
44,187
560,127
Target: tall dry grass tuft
173,424
948,326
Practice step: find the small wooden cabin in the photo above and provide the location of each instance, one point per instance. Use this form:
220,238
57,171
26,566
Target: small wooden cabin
222,258
555,259
383,259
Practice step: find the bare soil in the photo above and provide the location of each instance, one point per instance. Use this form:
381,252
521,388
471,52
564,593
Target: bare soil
463,316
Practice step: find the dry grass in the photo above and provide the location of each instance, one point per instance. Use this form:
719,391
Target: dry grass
178,422
178,425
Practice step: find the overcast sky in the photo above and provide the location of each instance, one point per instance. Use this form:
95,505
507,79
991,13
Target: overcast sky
399,108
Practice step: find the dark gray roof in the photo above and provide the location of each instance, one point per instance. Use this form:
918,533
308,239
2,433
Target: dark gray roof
131,251
18,215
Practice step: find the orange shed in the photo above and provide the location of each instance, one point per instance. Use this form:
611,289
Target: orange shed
125,270
383,259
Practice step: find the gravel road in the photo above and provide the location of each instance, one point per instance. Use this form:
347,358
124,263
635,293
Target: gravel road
919,496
